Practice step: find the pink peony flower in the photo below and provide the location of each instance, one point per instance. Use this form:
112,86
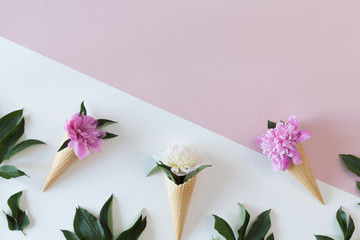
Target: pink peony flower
84,135
279,143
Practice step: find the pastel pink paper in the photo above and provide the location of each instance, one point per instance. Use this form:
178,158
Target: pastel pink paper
217,63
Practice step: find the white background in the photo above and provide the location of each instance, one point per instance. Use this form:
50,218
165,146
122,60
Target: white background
50,93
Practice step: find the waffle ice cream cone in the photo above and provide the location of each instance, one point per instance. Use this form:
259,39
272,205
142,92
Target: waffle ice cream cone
179,199
62,161
303,174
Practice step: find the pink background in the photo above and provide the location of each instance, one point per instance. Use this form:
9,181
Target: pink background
226,65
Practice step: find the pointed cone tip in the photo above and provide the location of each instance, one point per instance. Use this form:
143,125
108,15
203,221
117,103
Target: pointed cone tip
304,175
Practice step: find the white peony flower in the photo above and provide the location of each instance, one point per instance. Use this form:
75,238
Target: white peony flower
181,158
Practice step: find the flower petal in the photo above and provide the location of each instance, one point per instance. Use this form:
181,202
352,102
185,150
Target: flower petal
96,145
275,164
71,144
296,157
258,141
285,163
293,121
84,135
303,135
81,150
102,134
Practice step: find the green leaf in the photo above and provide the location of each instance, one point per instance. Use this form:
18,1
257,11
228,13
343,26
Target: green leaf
13,137
82,109
271,124
350,229
19,220
196,171
347,230
64,145
260,227
352,163
154,170
87,226
134,232
13,203
12,224
321,237
9,171
109,135
105,215
270,237
69,235
21,146
223,228
244,221
104,122
167,171
358,184
8,122
9,141
341,219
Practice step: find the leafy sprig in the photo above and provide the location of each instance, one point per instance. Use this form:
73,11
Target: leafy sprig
347,227
257,231
101,123
18,220
87,226
160,166
271,124
12,127
352,163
